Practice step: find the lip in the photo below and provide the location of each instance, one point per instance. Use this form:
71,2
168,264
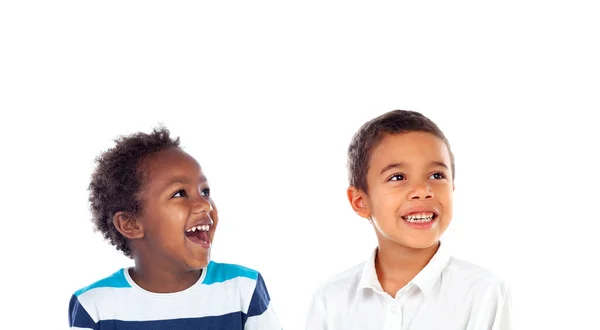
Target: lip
420,225
206,220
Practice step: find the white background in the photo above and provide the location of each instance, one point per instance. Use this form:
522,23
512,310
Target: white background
266,95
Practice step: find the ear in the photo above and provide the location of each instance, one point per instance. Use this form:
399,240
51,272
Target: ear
128,225
359,201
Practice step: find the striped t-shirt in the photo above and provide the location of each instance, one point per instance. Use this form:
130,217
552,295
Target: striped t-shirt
226,296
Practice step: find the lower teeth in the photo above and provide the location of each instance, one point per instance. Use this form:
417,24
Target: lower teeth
419,220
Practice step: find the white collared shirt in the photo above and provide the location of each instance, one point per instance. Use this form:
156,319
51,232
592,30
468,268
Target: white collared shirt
448,294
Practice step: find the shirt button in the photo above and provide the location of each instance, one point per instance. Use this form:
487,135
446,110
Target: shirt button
394,309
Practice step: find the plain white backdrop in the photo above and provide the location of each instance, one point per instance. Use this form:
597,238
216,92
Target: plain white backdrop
266,95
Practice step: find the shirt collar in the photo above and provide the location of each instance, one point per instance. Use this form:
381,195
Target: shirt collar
425,279
368,278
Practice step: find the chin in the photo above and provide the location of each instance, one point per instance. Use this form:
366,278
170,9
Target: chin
418,243
198,263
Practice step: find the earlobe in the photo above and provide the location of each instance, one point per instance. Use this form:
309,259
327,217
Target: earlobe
128,225
357,199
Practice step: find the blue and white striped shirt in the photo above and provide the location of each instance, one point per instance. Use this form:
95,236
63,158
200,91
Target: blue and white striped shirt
226,296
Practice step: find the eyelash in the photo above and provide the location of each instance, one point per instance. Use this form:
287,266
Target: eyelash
442,176
395,176
184,194
205,192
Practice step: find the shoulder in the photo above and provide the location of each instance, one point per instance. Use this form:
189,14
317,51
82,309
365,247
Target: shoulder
469,271
341,283
218,272
477,280
113,281
247,282
85,302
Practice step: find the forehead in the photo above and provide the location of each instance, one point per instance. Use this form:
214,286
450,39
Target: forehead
409,148
170,163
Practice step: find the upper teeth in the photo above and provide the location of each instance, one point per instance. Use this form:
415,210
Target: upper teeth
201,227
420,217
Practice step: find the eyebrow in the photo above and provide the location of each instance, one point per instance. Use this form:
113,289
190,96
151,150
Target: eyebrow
183,180
400,165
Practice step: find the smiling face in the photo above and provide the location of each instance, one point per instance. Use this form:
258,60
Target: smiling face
178,218
410,190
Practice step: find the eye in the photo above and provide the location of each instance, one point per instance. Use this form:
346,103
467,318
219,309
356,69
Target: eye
205,192
179,193
397,177
438,176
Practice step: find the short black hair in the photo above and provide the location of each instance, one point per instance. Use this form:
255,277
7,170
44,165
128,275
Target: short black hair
373,131
117,179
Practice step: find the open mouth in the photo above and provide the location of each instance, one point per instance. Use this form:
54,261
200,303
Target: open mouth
199,234
420,217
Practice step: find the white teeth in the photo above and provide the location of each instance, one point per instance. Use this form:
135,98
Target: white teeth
200,228
420,217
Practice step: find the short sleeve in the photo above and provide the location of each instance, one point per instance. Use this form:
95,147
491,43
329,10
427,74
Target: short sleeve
261,314
79,318
316,313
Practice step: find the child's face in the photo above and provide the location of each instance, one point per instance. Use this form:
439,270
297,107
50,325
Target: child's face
410,189
176,200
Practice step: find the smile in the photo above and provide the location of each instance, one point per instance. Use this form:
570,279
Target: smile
420,217
199,235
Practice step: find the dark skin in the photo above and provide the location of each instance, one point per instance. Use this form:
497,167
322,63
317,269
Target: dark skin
175,196
407,172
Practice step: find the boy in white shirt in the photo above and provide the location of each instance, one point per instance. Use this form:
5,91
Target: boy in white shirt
401,173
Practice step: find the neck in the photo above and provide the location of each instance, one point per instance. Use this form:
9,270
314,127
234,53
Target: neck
155,277
397,265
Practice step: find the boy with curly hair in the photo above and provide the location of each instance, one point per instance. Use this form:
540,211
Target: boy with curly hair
152,201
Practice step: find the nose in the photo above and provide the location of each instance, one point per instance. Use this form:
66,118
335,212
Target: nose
201,204
420,191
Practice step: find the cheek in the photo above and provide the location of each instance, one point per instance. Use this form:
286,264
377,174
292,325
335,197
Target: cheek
168,220
387,205
445,196
444,192
394,196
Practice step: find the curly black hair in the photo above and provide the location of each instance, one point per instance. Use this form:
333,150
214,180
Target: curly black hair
370,134
117,179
